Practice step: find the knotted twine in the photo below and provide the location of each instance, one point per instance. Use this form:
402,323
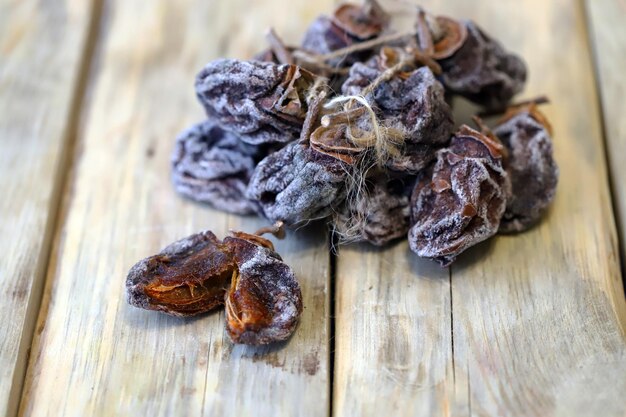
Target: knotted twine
380,142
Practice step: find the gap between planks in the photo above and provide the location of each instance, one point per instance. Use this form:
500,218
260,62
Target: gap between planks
594,43
332,290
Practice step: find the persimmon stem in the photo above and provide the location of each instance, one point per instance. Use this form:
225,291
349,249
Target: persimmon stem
277,229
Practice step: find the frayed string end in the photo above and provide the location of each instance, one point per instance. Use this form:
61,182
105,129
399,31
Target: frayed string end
385,141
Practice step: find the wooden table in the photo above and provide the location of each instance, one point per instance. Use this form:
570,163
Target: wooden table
92,93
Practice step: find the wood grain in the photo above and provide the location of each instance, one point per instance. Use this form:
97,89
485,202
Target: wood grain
542,333
393,347
105,357
537,319
608,41
530,325
42,45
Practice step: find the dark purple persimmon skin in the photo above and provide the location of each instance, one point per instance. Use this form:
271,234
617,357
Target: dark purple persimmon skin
483,71
211,165
531,166
298,184
349,25
459,201
262,102
379,215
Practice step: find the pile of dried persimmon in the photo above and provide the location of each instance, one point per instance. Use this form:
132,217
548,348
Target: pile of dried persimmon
353,128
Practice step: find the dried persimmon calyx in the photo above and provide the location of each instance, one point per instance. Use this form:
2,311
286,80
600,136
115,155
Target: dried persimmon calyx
459,201
350,24
186,278
212,165
260,101
363,21
473,64
448,36
264,301
525,132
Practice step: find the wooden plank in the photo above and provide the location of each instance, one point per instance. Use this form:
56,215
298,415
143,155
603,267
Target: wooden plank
608,36
537,319
95,355
393,348
42,45
393,335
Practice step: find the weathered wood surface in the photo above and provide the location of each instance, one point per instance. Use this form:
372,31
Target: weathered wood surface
607,26
42,47
537,319
531,325
95,355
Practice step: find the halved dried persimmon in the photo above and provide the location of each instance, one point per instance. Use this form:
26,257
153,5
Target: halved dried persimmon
199,273
186,278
